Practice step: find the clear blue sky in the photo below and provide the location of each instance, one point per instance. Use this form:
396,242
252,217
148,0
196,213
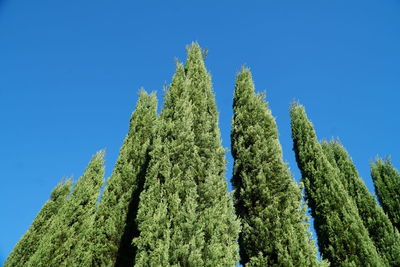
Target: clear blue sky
70,72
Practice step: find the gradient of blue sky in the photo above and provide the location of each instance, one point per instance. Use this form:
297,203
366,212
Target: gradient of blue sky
70,72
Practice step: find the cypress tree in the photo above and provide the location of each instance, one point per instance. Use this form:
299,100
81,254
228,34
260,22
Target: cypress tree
186,215
28,244
70,227
216,211
387,187
342,237
170,233
267,199
385,237
114,225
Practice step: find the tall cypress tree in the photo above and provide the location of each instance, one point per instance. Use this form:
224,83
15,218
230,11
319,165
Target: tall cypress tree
114,225
342,237
186,215
267,199
385,237
170,233
28,244
387,187
74,219
216,211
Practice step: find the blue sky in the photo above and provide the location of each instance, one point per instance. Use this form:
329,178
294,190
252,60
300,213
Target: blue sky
70,72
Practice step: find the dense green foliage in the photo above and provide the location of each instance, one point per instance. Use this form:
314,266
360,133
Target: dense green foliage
168,223
28,244
167,201
60,247
186,215
216,211
385,237
342,237
387,187
267,200
114,225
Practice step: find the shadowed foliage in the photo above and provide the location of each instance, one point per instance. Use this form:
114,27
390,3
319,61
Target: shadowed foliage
387,187
267,199
342,238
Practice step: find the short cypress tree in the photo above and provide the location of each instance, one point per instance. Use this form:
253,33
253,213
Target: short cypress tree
170,233
267,199
342,237
385,237
73,220
114,225
28,244
216,211
387,187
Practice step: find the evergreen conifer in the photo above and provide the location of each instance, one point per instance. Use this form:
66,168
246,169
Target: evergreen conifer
28,244
267,199
216,211
387,187
114,225
75,218
170,233
342,238
385,237
186,215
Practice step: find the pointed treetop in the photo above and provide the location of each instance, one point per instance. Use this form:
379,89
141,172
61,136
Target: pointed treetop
62,189
195,58
244,76
174,91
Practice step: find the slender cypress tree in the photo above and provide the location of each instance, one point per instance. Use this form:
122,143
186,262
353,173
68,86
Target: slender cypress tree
385,237
114,225
342,237
387,187
267,199
28,244
74,219
170,233
216,211
186,215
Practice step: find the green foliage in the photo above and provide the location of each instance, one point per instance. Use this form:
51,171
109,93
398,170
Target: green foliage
342,237
385,237
267,199
28,244
115,225
169,230
60,247
387,187
216,211
186,215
